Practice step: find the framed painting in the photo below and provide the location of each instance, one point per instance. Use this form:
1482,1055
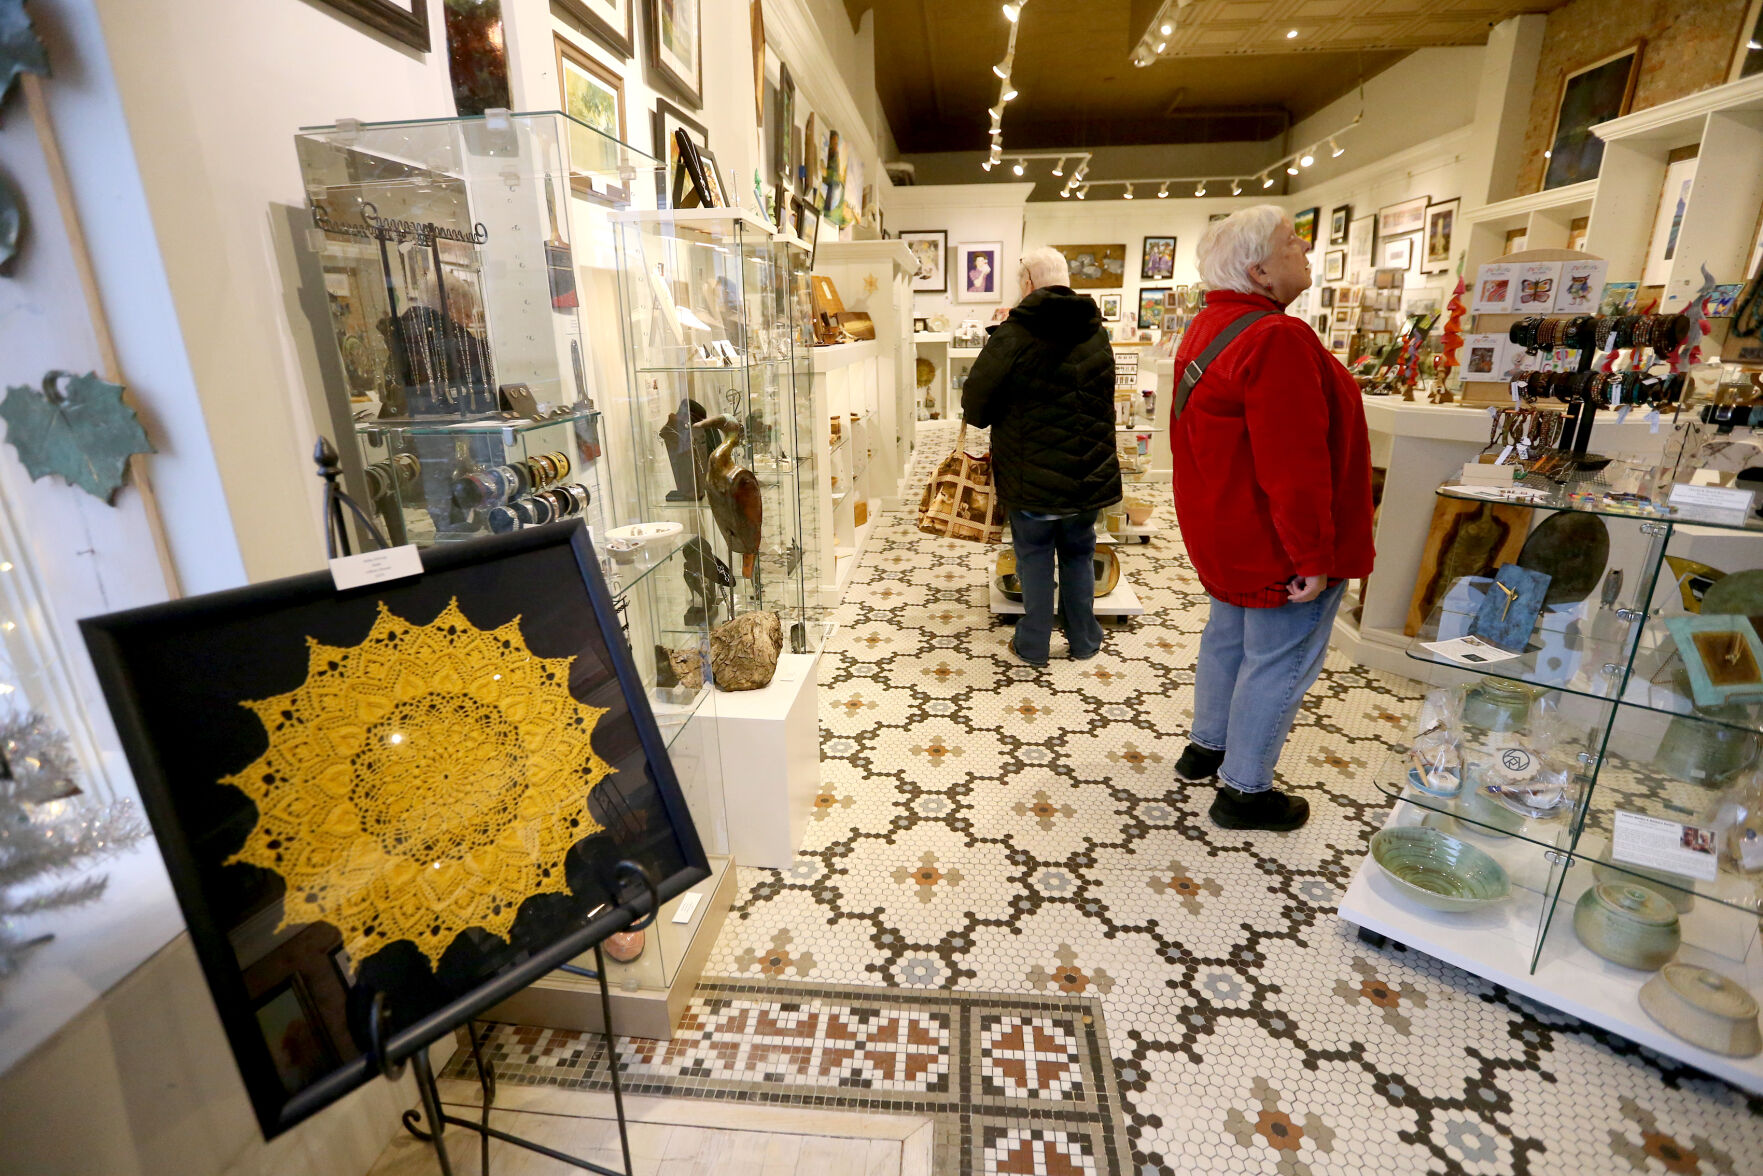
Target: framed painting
1674,200
666,119
1440,237
1747,59
930,249
1361,238
1304,224
1337,224
592,93
1407,216
1396,254
610,22
1109,305
675,46
402,20
977,266
480,727
1334,265
1158,262
1590,95
1152,302
1095,267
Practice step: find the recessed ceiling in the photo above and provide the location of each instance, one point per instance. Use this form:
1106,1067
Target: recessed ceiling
1238,76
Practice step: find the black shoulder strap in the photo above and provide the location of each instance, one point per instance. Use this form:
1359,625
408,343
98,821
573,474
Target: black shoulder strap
1197,367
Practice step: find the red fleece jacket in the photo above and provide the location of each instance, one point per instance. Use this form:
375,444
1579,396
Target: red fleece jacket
1272,462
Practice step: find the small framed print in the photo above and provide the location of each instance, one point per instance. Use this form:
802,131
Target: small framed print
1158,263
930,249
978,264
1109,305
1440,237
1326,298
1338,221
1304,224
1334,265
674,46
610,22
1337,340
1407,216
1153,300
1396,254
407,20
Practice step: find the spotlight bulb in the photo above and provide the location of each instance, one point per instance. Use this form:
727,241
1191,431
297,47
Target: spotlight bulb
1002,69
1018,168
1059,168
1291,34
1013,10
1166,29
1009,92
1335,150
1267,181
1162,45
986,166
1306,160
1065,193
1236,188
1163,192
997,112
1200,188
1128,195
1291,169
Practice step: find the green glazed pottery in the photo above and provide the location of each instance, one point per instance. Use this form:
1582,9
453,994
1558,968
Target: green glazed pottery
1677,889
1495,704
1437,870
1704,1008
1627,924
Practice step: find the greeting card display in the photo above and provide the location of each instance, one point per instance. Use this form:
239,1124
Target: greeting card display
1582,287
387,809
1484,356
1496,288
1536,287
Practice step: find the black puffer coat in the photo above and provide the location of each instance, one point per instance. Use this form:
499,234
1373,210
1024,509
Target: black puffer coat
1044,385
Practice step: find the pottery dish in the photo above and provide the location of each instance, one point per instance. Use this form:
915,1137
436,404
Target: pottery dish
1704,1008
1677,889
1437,870
1627,924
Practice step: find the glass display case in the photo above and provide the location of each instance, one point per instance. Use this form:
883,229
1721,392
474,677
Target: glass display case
1609,771
716,324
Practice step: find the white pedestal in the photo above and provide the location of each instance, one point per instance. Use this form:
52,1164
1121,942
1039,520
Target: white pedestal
770,742
1122,602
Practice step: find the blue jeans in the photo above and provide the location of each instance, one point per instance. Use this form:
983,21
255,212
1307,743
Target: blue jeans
1037,541
1255,665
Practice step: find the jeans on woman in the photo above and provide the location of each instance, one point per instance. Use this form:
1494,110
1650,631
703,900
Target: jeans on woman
1255,665
1038,539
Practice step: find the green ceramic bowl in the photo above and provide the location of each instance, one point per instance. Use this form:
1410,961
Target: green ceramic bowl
1628,924
1439,871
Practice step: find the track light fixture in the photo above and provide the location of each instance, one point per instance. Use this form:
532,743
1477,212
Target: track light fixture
1013,10
1291,169
1018,168
1083,192
1266,180
1009,92
986,166
1236,187
1306,159
1128,194
1335,149
1002,69
1059,168
1162,45
1166,29
1163,192
1065,193
1200,188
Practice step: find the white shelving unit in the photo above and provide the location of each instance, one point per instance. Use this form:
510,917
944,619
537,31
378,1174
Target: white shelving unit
851,483
1546,218
875,277
933,346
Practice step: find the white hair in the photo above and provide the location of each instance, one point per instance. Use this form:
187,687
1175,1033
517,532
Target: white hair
1045,266
1241,240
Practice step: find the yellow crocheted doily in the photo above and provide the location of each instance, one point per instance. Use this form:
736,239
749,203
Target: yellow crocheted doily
427,780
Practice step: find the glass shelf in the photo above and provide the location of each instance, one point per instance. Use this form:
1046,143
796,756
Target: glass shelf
1555,497
642,564
489,426
1566,652
732,370
1479,814
1659,683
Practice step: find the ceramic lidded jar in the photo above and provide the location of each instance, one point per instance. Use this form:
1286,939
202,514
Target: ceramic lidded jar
1627,924
1704,1008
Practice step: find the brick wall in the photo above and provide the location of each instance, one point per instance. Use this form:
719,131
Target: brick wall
1689,47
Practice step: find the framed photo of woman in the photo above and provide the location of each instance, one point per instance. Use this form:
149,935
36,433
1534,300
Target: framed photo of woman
977,269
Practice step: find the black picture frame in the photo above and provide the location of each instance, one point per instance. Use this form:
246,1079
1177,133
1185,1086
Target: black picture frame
1149,273
202,658
1596,92
601,29
1339,219
402,20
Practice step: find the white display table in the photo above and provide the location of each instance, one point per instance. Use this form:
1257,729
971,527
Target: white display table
770,746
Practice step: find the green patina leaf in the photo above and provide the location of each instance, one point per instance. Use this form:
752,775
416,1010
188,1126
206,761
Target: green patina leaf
20,50
78,428
11,222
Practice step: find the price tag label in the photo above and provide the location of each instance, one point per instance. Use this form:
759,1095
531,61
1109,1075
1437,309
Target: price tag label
1721,498
1622,413
375,567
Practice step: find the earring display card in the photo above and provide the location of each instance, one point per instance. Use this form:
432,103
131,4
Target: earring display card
1509,611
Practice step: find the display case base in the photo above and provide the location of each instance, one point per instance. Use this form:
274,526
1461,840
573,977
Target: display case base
1122,602
1495,944
770,747
644,1004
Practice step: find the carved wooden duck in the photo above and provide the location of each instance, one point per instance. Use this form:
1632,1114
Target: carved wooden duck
733,491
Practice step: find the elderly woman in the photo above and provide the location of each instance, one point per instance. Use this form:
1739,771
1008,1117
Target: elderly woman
1273,493
1044,385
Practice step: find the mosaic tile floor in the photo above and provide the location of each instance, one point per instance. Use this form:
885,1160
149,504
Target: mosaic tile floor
988,828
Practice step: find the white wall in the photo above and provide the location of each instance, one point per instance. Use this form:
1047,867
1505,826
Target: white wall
1423,96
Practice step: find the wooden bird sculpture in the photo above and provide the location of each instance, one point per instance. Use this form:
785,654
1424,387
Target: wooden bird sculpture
733,491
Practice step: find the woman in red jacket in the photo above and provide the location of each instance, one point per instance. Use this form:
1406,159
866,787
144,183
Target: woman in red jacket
1273,493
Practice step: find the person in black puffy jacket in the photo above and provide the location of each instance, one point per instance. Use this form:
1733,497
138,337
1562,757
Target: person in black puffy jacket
1044,385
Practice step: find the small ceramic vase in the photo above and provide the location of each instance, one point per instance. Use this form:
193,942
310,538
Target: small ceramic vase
1627,924
626,945
1704,1008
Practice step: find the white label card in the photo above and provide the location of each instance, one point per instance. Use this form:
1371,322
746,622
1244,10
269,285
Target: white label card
687,907
1665,845
1468,651
1711,497
375,567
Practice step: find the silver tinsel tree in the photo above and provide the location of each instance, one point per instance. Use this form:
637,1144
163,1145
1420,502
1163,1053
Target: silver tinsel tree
49,832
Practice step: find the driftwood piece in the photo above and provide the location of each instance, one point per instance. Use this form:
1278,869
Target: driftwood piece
744,652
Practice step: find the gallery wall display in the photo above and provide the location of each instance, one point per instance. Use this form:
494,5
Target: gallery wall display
1095,267
977,266
407,20
1109,305
1440,237
1407,216
675,46
930,249
1592,94
610,22
592,93
1397,254
409,799
1158,262
1337,224
1152,302
1304,223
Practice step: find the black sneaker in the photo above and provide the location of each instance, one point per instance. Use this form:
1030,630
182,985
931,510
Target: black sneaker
1270,810
1198,764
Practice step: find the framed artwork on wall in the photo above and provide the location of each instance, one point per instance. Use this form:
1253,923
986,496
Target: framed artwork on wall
482,727
675,46
1158,263
1748,58
930,249
1397,254
977,268
1305,224
667,119
592,93
1441,236
1407,216
1591,94
1095,267
1674,198
1109,305
610,22
1361,237
1337,224
404,20
1152,302
1334,265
